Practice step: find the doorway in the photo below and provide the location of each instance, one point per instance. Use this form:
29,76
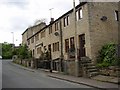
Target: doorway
49,48
82,51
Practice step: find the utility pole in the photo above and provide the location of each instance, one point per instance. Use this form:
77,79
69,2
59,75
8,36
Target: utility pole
13,37
76,40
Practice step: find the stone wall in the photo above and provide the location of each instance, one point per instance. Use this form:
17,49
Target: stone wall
69,67
110,71
102,32
24,62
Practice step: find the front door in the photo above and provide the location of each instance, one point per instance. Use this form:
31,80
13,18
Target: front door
33,53
49,63
49,48
82,52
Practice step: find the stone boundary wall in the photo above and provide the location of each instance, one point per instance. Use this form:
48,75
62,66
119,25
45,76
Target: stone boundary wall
110,71
24,62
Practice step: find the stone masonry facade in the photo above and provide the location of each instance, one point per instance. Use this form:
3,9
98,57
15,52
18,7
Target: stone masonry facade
95,23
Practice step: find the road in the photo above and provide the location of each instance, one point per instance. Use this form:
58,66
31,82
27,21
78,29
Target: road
17,77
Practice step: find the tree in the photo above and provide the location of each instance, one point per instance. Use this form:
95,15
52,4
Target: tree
24,53
7,50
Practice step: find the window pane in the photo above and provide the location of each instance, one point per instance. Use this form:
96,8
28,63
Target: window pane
53,47
68,20
116,15
55,27
66,45
81,14
65,22
58,46
72,42
77,15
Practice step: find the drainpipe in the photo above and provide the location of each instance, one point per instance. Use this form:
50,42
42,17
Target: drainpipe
118,46
76,39
61,48
119,23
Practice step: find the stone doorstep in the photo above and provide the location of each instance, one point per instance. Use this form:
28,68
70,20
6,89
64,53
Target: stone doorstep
106,79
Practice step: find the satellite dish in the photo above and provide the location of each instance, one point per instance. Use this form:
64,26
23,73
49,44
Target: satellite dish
56,34
103,18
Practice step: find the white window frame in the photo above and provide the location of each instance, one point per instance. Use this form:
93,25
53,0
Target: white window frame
116,15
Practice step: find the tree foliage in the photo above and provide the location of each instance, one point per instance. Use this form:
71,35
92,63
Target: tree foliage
7,50
45,55
23,52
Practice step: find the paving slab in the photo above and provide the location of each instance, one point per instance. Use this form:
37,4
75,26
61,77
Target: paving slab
107,79
85,81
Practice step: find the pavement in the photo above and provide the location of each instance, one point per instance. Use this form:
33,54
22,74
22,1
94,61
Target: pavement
109,79
85,81
96,82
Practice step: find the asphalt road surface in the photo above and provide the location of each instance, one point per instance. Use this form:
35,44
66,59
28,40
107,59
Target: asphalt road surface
16,77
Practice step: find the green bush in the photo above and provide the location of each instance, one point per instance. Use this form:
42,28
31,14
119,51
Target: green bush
107,56
103,65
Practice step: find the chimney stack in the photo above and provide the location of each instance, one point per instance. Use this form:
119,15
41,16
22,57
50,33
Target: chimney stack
52,20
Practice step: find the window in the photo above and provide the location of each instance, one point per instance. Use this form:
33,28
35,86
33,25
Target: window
66,45
32,40
72,45
116,15
28,42
37,37
39,50
66,21
53,47
50,29
56,46
79,14
57,26
45,48
43,34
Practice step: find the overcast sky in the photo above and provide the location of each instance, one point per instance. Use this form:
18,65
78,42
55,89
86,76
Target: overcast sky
17,15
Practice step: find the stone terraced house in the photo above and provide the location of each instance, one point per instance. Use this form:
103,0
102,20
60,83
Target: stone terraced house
85,28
